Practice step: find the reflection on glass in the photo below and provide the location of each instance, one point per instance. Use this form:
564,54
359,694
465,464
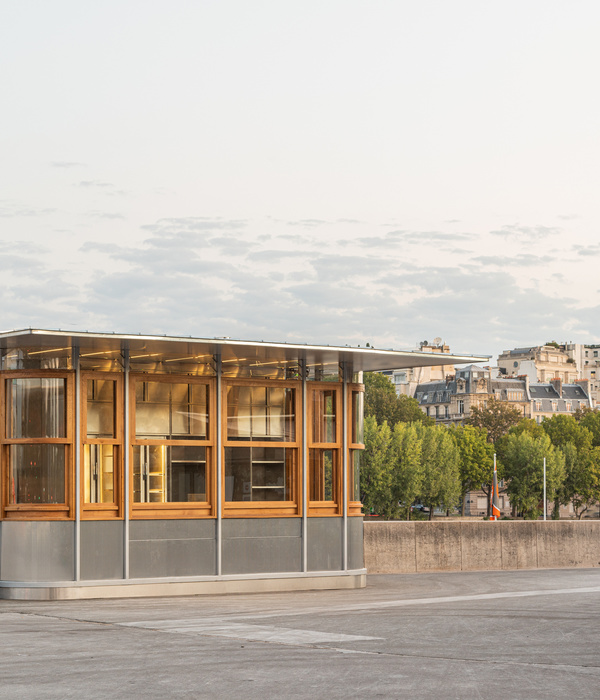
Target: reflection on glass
324,373
33,358
357,417
36,408
324,418
101,408
322,468
354,486
258,473
169,473
99,473
260,413
37,474
171,410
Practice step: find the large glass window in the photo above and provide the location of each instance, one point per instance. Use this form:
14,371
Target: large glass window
260,413
357,413
37,474
354,476
324,477
102,442
36,408
324,415
261,450
101,409
169,473
171,448
99,473
355,447
322,469
259,473
171,410
36,433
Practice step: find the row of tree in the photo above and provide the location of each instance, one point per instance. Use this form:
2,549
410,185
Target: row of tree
409,459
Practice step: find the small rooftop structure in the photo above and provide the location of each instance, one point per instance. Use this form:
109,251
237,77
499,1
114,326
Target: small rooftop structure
139,465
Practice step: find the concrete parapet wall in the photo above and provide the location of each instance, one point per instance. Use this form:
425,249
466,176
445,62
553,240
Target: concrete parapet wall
410,547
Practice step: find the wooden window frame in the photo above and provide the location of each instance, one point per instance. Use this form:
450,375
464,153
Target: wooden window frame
42,511
335,507
103,511
264,509
177,510
354,507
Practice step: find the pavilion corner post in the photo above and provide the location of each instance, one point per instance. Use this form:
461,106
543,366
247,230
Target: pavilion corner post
304,468
545,506
344,369
77,548
219,466
126,464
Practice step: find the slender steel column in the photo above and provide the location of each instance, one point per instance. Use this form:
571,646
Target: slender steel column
304,453
126,461
77,463
345,462
219,470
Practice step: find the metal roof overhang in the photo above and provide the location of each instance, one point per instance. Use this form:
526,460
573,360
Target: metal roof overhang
243,351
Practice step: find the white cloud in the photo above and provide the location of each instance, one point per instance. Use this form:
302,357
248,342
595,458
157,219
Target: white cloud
384,186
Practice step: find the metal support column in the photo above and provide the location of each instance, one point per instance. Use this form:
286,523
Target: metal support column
126,461
304,453
77,463
219,468
345,462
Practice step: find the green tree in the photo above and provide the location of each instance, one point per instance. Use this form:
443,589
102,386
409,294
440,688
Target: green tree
407,471
590,419
376,473
497,418
564,429
581,486
527,425
523,467
382,402
476,457
440,459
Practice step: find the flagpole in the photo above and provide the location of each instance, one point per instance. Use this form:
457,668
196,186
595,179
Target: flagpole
494,500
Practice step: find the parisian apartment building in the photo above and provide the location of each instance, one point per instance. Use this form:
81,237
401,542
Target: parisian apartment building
539,381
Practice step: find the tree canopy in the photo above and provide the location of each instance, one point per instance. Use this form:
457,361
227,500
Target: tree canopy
476,458
382,402
523,468
497,418
590,419
581,485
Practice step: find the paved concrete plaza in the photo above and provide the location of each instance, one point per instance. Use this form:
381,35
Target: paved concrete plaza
510,634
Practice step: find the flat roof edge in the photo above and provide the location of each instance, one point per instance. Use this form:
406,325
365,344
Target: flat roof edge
390,354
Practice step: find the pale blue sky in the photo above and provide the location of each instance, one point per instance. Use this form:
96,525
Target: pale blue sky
343,172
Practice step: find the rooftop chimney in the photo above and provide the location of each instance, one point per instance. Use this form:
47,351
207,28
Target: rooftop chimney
557,384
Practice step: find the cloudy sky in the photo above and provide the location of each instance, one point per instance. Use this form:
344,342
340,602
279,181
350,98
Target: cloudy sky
331,171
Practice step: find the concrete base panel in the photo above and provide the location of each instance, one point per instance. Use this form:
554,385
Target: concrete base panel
136,589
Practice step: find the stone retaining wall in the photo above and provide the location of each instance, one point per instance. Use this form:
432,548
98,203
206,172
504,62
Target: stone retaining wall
411,547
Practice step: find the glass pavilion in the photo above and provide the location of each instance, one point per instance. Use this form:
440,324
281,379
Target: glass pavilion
147,465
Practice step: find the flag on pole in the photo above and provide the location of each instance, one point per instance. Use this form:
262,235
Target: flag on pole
494,498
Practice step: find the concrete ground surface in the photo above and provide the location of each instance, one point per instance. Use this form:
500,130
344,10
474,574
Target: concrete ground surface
509,634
